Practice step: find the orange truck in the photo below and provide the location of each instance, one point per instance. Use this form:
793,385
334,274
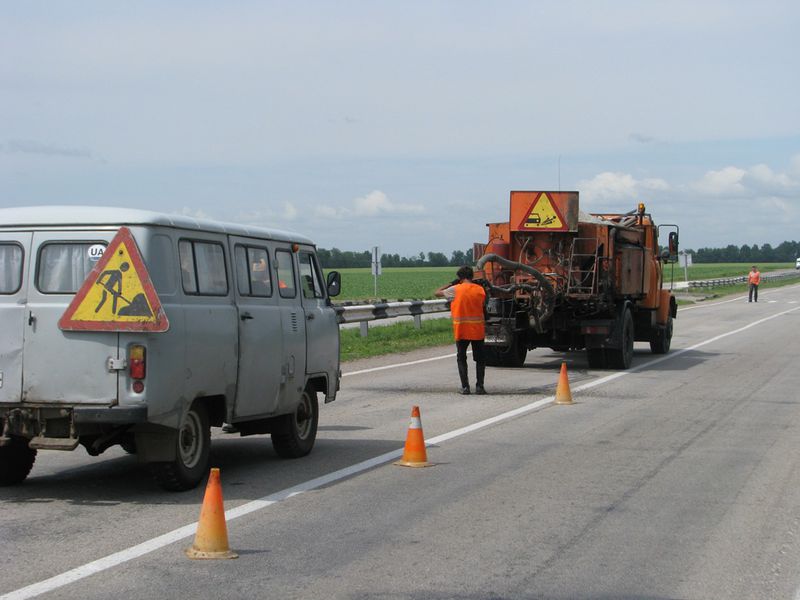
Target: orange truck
559,278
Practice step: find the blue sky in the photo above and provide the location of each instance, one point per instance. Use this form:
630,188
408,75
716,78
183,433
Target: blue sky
406,124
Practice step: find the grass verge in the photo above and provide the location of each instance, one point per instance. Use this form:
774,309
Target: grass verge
399,337
739,288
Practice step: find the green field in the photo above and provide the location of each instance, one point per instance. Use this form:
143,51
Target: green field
419,283
396,283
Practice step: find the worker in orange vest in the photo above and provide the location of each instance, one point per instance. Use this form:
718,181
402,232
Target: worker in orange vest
466,310
754,278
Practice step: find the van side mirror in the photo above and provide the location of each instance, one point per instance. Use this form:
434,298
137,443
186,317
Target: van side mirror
334,281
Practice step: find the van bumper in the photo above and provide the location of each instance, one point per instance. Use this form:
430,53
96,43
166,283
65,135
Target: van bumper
112,415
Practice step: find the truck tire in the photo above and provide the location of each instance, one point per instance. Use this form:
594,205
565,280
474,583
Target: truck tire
511,356
662,338
597,358
192,452
16,461
621,358
293,435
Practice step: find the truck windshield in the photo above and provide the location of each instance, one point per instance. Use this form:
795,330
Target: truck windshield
10,268
63,267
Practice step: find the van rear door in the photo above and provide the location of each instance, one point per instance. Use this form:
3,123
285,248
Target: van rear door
14,259
65,367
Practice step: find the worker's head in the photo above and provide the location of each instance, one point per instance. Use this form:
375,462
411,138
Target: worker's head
465,272
755,268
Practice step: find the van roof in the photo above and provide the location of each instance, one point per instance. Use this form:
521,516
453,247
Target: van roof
83,216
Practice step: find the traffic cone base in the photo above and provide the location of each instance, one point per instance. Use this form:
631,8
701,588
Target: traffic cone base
414,454
211,539
563,394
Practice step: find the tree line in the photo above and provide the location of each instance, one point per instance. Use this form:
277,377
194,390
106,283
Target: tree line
785,252
342,259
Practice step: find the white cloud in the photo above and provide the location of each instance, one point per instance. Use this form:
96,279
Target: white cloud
195,213
753,182
608,186
725,182
289,211
374,204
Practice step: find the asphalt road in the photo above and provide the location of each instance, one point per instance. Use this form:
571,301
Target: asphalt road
677,479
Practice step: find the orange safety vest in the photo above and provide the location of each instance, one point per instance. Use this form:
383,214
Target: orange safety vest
467,311
754,278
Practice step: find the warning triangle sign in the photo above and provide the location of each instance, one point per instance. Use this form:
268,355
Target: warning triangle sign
118,294
543,215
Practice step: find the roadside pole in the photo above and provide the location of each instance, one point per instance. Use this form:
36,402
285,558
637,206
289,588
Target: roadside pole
376,266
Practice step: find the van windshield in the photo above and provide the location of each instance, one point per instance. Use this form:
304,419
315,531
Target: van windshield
63,267
10,268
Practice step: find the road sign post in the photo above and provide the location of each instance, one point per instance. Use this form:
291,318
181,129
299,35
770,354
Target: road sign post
376,266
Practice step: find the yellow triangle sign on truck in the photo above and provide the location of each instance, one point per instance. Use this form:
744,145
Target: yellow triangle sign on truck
543,215
117,294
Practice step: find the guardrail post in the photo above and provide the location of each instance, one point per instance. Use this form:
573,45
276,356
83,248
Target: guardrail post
418,321
364,328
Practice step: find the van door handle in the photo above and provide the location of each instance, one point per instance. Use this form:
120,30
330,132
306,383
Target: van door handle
310,316
31,318
246,316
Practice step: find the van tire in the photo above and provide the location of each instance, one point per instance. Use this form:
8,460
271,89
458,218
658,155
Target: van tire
294,434
192,453
16,461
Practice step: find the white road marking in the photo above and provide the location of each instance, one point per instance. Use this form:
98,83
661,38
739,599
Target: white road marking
395,366
123,556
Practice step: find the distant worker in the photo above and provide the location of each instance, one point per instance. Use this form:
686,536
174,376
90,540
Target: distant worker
468,325
754,278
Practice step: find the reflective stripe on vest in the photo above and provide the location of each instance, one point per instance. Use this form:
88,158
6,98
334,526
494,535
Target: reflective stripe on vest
467,312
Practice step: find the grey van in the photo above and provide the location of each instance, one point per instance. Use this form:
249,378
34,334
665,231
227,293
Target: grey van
252,339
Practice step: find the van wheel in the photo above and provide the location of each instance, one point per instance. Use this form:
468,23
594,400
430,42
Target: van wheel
193,445
294,434
16,461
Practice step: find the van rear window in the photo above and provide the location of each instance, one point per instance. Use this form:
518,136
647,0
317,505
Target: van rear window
203,268
10,268
64,266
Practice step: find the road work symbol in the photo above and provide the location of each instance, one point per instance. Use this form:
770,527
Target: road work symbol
543,214
117,295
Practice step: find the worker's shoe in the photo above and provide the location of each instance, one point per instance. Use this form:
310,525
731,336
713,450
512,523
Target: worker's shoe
229,428
464,391
480,390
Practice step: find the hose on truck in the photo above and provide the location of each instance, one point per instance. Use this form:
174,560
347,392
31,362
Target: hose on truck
549,294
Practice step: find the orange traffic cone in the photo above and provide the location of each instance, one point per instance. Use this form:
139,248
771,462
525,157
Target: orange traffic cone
211,539
563,395
414,454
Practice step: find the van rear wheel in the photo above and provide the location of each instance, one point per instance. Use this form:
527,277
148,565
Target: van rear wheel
16,461
192,452
294,434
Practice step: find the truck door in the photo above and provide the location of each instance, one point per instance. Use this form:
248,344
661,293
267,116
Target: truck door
261,351
14,260
322,330
68,367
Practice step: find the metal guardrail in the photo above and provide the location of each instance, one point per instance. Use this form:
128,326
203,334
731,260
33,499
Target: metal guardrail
710,283
356,313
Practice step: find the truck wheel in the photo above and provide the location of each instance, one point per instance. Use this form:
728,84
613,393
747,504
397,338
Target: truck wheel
662,339
621,358
512,356
597,358
293,435
193,445
16,461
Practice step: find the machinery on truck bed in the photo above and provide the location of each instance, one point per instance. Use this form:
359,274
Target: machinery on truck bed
559,278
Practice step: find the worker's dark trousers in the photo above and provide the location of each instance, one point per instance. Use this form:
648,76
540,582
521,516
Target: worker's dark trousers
477,355
753,293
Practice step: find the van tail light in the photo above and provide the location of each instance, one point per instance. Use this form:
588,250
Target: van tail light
137,362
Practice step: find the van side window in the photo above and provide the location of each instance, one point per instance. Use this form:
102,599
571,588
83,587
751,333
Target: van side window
64,266
283,264
203,268
252,271
10,268
309,277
